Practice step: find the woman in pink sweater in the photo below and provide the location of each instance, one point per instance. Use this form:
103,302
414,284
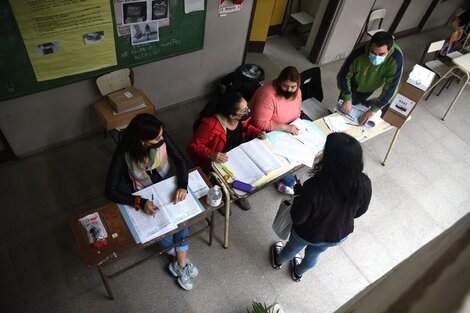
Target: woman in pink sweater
274,107
278,104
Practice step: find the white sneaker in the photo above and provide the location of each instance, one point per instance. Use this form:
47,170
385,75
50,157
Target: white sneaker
184,280
284,189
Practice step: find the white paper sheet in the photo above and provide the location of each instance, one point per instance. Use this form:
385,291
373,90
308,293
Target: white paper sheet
244,168
197,184
193,6
183,210
261,156
149,227
308,136
289,147
357,111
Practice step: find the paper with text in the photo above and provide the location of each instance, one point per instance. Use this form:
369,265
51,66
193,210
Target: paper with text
197,184
261,156
288,146
244,168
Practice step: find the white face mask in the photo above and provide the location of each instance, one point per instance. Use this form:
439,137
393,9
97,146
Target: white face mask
375,59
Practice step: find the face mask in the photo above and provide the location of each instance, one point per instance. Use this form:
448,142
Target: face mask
245,116
375,59
157,145
287,94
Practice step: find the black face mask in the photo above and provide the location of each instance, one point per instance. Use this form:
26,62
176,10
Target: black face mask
157,145
287,94
245,116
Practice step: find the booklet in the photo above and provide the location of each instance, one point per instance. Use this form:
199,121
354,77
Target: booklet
251,162
145,227
356,113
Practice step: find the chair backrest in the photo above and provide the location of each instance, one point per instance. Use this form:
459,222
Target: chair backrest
377,14
434,46
310,84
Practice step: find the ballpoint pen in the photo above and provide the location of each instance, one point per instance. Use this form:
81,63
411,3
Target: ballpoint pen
153,206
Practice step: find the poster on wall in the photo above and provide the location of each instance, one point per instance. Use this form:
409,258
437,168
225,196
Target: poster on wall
229,6
130,12
57,33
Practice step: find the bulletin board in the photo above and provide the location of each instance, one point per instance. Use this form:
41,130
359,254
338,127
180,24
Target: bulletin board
184,34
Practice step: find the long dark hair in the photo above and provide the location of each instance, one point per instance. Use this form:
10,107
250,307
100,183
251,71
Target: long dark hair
224,104
289,73
143,127
340,169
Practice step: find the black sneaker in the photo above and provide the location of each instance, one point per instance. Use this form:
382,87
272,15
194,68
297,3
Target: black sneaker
295,262
275,250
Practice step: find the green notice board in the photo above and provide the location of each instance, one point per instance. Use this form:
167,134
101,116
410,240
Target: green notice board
184,34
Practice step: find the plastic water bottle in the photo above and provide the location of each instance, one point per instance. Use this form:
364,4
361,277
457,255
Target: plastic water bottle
214,196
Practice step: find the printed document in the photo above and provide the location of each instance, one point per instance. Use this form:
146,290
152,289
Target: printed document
251,161
146,227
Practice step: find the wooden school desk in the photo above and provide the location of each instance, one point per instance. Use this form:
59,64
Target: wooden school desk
287,168
119,121
121,243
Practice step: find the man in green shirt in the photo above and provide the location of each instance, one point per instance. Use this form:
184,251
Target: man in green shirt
371,65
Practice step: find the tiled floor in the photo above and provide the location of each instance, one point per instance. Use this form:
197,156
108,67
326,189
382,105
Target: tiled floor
422,191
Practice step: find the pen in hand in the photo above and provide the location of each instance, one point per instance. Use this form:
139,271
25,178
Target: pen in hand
153,206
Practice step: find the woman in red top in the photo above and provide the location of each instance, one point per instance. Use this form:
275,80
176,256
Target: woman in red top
222,125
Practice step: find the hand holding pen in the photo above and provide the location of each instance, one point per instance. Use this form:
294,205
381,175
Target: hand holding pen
150,208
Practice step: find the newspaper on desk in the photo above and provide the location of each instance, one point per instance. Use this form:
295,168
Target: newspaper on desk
145,227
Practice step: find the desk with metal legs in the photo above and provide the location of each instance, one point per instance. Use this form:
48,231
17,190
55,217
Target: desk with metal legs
460,69
232,195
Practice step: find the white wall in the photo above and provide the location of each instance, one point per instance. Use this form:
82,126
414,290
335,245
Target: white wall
392,8
413,15
44,119
443,12
349,22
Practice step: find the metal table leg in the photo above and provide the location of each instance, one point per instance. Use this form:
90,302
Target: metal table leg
227,205
106,284
391,146
457,96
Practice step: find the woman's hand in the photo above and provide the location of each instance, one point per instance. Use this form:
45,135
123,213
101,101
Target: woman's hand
292,129
261,135
180,195
149,208
219,157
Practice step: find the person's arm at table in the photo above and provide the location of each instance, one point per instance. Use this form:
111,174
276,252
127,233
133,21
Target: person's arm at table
181,169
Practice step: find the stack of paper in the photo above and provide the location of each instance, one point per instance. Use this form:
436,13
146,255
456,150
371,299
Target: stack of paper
336,123
145,227
301,148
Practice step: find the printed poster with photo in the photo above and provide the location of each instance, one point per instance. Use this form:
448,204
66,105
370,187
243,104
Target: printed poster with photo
129,12
58,34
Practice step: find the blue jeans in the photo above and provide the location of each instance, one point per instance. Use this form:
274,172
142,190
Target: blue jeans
168,241
312,251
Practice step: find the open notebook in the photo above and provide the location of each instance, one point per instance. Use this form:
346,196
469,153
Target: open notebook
252,162
146,227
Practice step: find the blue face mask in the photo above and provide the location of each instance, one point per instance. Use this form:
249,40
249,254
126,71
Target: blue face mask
375,59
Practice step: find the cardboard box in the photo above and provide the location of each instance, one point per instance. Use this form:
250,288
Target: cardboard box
117,121
398,118
126,99
114,86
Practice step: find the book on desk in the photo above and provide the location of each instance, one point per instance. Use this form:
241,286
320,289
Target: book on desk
251,162
145,227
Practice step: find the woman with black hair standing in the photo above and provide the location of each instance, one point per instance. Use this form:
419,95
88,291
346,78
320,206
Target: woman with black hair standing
140,160
323,215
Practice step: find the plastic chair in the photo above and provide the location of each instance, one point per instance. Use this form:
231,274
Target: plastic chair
434,64
312,94
374,16
303,19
